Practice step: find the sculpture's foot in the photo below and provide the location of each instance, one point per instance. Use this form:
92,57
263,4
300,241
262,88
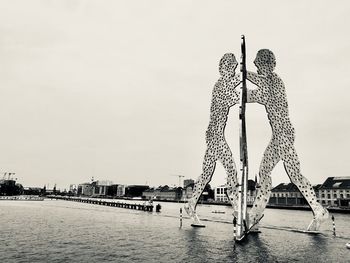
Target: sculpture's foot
314,225
253,222
189,209
320,215
193,215
255,228
197,222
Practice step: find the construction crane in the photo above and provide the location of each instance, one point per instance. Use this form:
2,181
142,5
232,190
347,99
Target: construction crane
178,175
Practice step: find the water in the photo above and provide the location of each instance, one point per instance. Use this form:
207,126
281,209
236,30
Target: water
62,231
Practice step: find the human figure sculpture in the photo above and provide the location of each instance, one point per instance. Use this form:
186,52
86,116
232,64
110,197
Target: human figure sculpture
224,96
271,94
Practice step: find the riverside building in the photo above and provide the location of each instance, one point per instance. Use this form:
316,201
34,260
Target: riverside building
335,191
286,194
220,193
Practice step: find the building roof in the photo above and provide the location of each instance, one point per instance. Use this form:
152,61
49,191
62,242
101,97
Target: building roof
290,187
336,183
283,187
251,185
317,187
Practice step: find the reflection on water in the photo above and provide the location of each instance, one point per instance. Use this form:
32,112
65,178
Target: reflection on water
61,231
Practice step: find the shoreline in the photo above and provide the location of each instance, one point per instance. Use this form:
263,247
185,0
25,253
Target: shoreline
305,208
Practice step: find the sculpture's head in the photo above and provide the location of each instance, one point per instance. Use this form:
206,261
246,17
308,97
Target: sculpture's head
228,65
265,61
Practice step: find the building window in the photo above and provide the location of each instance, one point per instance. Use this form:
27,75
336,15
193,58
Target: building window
341,196
322,195
335,195
218,191
329,196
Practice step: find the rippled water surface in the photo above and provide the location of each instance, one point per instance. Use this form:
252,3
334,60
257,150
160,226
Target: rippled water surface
62,231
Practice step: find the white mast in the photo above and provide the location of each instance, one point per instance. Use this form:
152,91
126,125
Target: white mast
242,225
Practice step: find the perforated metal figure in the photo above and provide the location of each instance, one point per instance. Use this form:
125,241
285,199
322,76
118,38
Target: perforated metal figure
271,93
224,96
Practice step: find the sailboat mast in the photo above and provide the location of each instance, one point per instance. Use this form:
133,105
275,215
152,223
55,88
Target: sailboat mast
242,206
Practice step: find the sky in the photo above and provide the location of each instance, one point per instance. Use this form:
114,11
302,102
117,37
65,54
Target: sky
121,90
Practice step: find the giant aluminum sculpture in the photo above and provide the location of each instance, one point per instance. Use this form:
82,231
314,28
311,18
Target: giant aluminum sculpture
224,96
270,92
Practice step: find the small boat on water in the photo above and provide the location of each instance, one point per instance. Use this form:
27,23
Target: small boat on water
348,245
218,212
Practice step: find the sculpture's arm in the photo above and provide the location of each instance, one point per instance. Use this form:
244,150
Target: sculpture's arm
255,78
256,95
236,80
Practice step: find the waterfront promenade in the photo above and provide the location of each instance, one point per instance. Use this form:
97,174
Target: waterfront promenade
61,231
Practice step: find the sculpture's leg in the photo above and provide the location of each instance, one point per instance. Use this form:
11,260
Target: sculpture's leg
292,167
232,183
269,161
208,170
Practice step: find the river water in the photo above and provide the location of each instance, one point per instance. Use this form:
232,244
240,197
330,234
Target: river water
63,231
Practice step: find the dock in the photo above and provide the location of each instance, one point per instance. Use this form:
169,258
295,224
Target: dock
21,198
141,207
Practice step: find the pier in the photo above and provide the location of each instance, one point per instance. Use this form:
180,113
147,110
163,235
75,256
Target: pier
141,207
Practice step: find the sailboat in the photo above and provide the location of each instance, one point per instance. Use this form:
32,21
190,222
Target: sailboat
241,223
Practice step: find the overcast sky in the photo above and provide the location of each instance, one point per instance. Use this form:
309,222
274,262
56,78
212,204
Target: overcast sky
121,90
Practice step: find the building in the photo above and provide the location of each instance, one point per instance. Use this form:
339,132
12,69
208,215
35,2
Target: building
120,190
32,191
135,190
187,191
72,189
85,189
188,182
164,193
286,194
220,193
100,188
335,191
116,190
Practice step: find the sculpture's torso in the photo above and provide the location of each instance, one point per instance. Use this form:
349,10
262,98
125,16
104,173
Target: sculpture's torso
224,96
275,101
